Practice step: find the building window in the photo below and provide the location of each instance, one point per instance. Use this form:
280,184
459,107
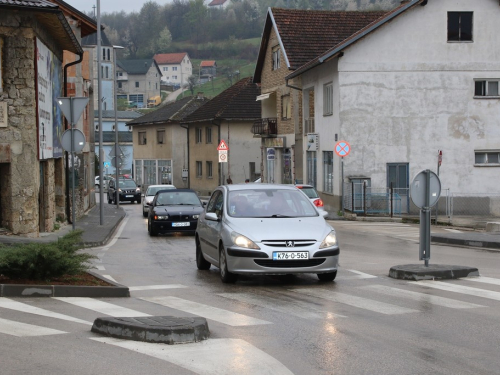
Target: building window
198,135
119,85
1,64
156,85
107,72
328,171
174,68
142,138
276,57
199,169
486,87
459,26
174,77
209,135
286,107
136,84
165,68
120,74
109,58
487,158
328,99
209,169
160,136
104,53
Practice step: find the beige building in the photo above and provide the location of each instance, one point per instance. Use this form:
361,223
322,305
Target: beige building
229,117
160,144
175,68
138,81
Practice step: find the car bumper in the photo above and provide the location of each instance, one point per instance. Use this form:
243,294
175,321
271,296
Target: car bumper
169,226
244,261
130,197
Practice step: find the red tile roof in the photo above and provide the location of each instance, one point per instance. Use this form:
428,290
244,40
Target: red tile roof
305,34
216,2
169,58
207,63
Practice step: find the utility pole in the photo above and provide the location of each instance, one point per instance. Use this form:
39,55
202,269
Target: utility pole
99,110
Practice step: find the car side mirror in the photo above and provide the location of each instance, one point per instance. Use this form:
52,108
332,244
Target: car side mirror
149,203
211,216
324,213
204,204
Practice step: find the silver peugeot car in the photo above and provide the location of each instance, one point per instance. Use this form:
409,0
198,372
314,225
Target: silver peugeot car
265,229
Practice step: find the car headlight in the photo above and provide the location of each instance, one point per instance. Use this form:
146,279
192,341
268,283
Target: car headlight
137,190
242,241
329,241
162,217
196,216
119,190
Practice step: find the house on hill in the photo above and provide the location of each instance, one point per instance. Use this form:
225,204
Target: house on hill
138,81
175,68
208,70
219,4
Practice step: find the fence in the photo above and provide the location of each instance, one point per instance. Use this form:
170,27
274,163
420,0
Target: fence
366,200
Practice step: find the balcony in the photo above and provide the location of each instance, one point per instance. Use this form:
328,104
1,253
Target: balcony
265,127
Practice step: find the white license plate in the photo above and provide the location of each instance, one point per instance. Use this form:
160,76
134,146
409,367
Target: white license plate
129,196
180,224
290,255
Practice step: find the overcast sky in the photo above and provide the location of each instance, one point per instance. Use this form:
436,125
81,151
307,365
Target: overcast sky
109,6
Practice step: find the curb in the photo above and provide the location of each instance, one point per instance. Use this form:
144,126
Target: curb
155,329
465,242
108,236
23,290
418,272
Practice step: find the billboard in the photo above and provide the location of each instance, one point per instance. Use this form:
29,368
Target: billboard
49,115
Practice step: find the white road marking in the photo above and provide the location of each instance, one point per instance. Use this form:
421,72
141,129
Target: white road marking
209,357
458,289
155,287
296,308
101,306
18,329
481,279
453,230
365,224
25,308
362,303
361,275
421,297
209,312
115,238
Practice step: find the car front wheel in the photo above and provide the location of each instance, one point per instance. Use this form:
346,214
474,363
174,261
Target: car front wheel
226,276
330,276
201,262
144,213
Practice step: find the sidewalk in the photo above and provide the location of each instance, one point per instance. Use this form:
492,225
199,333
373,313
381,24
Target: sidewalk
93,235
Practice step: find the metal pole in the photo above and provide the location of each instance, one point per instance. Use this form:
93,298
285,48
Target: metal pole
99,110
72,163
342,185
115,98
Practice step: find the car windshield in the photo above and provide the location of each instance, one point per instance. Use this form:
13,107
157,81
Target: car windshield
128,184
272,203
310,191
152,190
177,198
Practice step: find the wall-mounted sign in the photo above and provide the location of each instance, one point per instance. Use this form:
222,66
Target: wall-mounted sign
274,142
3,115
312,142
271,154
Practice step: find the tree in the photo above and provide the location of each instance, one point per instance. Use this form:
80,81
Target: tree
191,83
164,41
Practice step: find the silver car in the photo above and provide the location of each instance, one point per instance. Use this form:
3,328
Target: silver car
150,194
265,229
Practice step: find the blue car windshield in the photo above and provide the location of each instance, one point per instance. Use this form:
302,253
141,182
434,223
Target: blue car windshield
271,203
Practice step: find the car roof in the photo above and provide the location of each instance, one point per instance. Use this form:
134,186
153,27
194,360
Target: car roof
164,185
176,190
264,186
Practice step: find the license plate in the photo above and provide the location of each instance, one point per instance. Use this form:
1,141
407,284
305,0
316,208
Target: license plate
290,255
180,224
129,196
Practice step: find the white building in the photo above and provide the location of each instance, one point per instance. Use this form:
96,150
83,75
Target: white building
175,67
423,78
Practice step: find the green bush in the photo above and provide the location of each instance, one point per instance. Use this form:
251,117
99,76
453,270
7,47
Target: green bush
44,261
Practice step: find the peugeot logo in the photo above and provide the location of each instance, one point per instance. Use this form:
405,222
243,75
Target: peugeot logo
290,244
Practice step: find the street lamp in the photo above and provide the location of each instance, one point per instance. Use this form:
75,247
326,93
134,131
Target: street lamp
117,154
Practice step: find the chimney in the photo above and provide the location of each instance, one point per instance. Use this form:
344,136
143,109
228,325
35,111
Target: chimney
199,96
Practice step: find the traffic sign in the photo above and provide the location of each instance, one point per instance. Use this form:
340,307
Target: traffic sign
116,150
78,140
222,156
114,160
107,164
222,146
72,107
425,189
342,148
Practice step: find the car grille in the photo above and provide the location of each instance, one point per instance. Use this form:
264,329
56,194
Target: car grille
282,243
289,263
178,217
128,191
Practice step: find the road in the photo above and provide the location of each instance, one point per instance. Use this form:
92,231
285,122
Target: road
363,323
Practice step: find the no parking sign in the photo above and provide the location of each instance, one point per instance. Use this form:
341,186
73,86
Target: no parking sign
342,148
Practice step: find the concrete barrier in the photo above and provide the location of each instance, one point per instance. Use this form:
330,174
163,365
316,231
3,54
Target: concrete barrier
493,227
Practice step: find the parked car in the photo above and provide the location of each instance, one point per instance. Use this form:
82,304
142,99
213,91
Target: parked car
106,180
148,196
128,191
174,210
313,195
265,229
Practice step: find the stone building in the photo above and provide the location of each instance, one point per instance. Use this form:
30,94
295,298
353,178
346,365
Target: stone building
33,36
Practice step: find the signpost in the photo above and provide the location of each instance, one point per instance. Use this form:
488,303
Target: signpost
425,190
342,148
223,149
74,141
